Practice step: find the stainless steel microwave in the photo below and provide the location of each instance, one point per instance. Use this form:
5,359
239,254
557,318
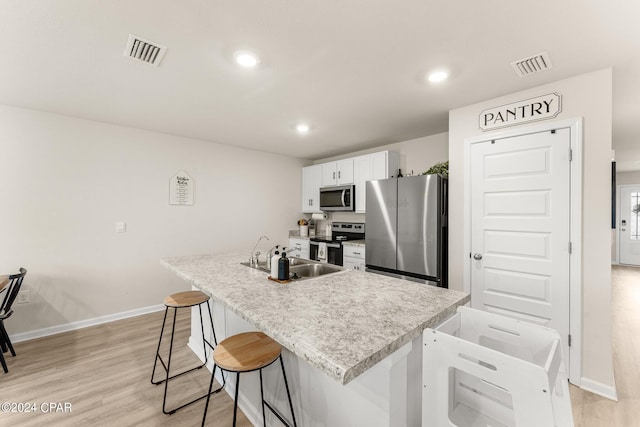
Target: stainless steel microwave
339,198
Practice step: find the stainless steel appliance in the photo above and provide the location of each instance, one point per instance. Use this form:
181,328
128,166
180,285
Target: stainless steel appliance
407,228
339,198
332,245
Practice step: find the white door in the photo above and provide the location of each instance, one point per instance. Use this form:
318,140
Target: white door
520,228
630,225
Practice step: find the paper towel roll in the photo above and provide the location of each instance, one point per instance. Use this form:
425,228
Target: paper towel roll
319,216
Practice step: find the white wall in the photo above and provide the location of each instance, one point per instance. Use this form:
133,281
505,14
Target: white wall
66,181
628,178
588,96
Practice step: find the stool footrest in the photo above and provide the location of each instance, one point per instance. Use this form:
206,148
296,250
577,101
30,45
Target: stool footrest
172,411
175,375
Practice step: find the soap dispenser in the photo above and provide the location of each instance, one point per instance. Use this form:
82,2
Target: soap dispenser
274,263
270,256
283,267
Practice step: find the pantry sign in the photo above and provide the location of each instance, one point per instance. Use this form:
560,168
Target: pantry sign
530,110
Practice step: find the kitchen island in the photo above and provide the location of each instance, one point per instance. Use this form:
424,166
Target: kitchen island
353,339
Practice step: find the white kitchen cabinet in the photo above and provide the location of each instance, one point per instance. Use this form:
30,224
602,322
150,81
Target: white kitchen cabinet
302,246
337,173
354,170
381,165
353,257
311,182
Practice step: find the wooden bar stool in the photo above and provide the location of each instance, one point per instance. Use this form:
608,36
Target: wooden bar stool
247,352
176,301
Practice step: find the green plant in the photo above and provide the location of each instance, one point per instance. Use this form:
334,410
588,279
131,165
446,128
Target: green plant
441,168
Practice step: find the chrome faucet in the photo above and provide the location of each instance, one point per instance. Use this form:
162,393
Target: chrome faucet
253,257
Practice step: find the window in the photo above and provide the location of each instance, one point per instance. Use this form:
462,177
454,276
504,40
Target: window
634,217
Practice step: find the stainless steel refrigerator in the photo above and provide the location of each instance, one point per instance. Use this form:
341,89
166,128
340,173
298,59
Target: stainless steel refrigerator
406,225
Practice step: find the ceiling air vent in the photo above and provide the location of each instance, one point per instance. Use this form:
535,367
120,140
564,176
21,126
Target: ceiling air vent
532,65
144,50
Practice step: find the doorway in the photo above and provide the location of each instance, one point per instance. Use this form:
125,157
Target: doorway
629,225
524,219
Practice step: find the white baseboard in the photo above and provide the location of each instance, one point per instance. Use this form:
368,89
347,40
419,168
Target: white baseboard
39,333
600,389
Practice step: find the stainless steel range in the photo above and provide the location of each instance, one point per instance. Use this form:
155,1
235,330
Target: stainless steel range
329,248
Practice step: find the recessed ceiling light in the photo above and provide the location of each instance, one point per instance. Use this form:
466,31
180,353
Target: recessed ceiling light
438,76
246,59
302,128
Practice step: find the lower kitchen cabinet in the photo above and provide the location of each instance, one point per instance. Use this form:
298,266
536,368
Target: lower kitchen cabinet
353,257
301,247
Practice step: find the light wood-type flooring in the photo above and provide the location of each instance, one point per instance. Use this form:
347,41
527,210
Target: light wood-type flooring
590,410
104,372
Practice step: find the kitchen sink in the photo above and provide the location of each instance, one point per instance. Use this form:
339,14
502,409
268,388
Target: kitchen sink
261,266
313,270
299,261
300,268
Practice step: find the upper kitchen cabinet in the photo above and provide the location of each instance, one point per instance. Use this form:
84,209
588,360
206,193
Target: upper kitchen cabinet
311,180
354,170
337,173
368,167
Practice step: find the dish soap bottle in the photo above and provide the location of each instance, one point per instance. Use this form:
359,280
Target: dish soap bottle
274,263
283,267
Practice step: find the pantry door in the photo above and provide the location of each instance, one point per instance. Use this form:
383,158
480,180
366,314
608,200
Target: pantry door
520,228
630,224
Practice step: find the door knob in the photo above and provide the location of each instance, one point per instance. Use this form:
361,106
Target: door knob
477,256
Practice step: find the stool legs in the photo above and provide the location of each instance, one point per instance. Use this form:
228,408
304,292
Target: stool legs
286,385
167,366
3,363
155,363
264,402
4,339
206,405
235,399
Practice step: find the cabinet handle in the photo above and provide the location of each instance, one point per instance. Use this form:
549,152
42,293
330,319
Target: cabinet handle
334,175
357,253
338,174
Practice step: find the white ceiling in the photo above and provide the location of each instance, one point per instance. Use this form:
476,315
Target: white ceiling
353,69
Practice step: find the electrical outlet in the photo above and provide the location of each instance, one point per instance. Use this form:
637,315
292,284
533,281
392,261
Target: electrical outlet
23,297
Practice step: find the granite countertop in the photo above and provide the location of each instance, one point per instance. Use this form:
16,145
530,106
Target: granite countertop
341,323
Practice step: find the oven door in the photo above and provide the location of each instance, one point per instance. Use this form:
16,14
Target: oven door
333,255
340,198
